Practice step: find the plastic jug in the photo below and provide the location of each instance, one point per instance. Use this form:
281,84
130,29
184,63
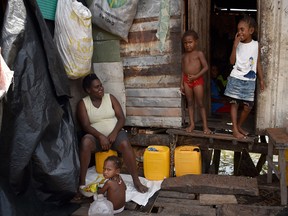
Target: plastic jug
156,162
100,158
187,160
100,206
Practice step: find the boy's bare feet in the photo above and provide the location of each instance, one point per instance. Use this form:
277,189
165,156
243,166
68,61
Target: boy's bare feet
238,135
245,133
140,187
190,128
207,131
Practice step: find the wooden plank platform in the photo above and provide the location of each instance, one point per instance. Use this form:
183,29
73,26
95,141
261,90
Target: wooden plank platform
222,136
175,203
212,184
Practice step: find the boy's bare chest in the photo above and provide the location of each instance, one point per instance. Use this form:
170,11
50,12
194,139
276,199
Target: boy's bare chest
191,59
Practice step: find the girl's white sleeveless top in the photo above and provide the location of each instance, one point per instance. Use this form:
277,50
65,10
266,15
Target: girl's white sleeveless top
245,67
103,119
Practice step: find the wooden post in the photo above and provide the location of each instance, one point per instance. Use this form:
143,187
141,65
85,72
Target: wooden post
173,143
283,185
206,156
261,162
216,160
237,156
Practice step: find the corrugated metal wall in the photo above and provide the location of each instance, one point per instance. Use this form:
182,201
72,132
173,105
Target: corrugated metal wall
151,77
272,106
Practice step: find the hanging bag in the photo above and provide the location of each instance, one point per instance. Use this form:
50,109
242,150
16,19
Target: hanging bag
73,37
114,16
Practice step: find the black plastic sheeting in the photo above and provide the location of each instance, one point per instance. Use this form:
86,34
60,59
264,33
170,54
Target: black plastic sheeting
39,164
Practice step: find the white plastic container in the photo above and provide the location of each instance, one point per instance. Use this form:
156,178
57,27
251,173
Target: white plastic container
101,206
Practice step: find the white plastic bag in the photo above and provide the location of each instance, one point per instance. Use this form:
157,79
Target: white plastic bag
73,37
100,206
114,16
6,77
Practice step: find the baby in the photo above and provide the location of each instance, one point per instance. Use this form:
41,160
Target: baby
114,186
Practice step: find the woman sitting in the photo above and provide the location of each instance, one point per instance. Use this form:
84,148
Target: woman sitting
101,117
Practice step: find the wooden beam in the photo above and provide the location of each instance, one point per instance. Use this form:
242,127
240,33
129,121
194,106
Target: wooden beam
236,159
216,161
202,142
217,141
260,163
246,166
149,139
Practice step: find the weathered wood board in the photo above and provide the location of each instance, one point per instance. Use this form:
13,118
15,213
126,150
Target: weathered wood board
232,209
212,184
152,70
216,199
178,207
149,139
176,194
153,121
166,201
154,107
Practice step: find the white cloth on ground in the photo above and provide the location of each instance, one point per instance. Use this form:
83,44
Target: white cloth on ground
131,193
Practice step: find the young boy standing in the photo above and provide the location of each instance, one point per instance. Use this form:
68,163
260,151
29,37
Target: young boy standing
194,65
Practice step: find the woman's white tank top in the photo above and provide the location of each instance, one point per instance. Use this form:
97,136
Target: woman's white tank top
103,119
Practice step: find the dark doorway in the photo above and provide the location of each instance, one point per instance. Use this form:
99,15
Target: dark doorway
224,18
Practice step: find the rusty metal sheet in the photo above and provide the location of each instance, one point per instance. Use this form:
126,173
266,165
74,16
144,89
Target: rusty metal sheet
151,8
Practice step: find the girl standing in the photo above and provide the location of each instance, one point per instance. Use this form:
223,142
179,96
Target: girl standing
241,84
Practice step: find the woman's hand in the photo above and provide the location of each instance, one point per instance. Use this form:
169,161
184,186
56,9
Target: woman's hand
104,142
112,137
